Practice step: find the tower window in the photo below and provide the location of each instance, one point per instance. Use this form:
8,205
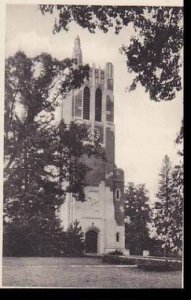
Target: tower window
117,194
98,105
86,104
110,84
117,236
109,109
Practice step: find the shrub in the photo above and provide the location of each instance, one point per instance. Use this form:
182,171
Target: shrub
116,252
160,265
24,240
116,259
74,241
151,264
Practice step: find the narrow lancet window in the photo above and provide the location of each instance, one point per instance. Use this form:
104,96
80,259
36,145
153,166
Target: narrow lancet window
86,104
117,237
98,105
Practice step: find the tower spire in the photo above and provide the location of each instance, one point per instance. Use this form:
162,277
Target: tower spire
77,52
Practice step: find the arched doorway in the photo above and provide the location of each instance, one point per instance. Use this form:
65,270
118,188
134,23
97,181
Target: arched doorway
91,241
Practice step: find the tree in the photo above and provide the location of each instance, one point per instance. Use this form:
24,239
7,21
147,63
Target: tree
137,216
178,195
32,88
164,207
74,240
169,207
42,160
154,53
68,148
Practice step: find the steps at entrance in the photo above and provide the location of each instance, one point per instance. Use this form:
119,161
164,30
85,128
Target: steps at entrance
93,255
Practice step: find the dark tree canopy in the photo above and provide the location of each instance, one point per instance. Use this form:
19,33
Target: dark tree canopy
137,215
42,158
74,244
168,208
180,141
154,56
178,191
31,88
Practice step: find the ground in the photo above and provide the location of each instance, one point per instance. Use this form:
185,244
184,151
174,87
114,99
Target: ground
82,272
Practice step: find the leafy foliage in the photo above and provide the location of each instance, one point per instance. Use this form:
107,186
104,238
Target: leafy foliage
160,265
42,159
154,56
32,86
116,252
178,194
168,209
163,206
74,240
37,237
137,214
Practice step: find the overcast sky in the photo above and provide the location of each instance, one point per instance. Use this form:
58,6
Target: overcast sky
145,130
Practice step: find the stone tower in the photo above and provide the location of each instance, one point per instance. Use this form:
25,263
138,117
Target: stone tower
102,214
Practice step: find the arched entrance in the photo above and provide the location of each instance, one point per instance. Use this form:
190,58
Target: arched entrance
91,241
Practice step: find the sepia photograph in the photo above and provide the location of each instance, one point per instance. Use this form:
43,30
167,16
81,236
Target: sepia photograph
93,145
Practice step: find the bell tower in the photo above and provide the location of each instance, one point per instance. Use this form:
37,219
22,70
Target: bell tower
101,216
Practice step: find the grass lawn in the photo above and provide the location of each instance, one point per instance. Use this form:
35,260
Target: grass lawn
82,272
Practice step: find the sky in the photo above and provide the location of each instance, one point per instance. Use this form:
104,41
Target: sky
145,130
